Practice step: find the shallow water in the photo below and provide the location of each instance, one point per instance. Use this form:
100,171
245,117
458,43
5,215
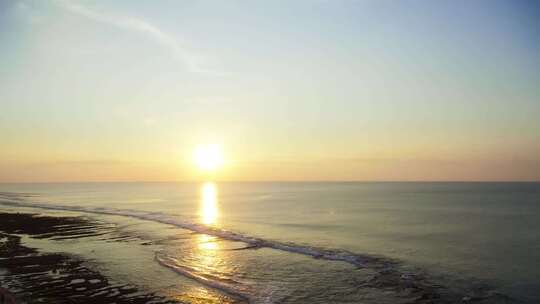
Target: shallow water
469,237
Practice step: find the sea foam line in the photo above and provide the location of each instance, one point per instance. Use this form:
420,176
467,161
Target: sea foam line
238,290
315,252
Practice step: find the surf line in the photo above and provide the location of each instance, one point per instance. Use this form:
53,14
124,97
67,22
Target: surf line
357,260
170,263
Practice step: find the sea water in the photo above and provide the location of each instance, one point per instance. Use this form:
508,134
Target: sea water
316,242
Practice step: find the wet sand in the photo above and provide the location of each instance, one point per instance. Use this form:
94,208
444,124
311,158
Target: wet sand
35,277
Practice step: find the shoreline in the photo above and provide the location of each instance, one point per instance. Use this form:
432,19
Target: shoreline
55,277
36,277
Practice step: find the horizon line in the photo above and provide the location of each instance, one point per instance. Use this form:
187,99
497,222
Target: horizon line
273,181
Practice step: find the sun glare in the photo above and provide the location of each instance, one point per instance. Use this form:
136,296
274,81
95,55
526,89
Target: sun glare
208,157
209,208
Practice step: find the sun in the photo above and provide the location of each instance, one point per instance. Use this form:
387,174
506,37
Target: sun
208,157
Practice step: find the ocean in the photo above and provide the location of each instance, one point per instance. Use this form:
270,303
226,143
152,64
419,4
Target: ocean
306,242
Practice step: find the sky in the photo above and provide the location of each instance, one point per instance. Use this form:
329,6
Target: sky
292,90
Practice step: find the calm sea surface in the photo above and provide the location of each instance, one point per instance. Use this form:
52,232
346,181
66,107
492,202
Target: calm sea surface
259,240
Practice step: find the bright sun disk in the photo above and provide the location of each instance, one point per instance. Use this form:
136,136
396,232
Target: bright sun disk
208,157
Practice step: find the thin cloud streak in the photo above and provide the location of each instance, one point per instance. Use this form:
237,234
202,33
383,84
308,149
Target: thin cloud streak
180,53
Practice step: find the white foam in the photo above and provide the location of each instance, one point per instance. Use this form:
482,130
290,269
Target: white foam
241,289
319,253
236,289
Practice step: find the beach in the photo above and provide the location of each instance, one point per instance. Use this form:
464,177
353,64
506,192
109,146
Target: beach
32,276
36,277
261,152
60,241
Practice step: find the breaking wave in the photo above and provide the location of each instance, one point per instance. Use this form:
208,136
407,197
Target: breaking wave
254,242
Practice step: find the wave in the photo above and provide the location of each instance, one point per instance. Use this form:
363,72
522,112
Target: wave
231,287
387,274
354,259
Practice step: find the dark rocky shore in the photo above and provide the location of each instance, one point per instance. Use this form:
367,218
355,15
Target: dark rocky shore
34,277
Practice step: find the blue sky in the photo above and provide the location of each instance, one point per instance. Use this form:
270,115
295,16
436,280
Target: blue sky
314,90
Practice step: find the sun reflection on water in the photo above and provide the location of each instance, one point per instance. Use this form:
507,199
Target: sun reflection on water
207,242
208,211
208,252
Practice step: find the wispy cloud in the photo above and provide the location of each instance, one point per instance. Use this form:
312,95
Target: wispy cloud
192,61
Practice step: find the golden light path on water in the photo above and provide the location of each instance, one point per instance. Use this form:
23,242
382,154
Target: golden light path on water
208,210
208,256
